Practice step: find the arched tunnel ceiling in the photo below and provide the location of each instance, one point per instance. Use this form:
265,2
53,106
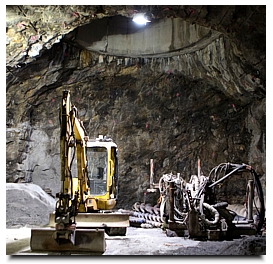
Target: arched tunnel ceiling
32,29
120,36
238,31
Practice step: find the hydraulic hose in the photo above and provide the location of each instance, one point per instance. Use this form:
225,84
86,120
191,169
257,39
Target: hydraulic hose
213,211
236,169
261,197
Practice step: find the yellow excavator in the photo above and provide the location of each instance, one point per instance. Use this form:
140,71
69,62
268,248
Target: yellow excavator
89,190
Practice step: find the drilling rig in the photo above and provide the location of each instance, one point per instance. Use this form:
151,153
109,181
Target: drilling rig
198,209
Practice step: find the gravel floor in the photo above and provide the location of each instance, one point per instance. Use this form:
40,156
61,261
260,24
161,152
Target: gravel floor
35,206
140,241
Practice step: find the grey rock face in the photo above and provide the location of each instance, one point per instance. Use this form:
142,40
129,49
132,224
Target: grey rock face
207,101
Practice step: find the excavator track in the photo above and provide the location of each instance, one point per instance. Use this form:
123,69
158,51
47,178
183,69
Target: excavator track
114,224
87,241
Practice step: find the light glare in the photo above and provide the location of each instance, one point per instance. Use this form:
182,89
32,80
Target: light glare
140,19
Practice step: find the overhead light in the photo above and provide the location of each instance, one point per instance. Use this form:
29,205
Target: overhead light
140,19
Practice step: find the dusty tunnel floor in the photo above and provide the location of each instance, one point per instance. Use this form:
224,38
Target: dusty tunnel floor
153,241
137,241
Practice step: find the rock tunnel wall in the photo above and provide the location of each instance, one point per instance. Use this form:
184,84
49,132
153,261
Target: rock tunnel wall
205,104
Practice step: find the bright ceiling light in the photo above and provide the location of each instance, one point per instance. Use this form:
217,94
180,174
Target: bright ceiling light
140,19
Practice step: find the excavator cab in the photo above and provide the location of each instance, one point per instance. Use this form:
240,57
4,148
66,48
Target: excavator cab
102,171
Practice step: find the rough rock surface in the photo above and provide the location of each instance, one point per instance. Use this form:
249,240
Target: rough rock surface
204,101
27,205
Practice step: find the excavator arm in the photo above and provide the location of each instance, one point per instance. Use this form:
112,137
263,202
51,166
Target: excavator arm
73,140
66,236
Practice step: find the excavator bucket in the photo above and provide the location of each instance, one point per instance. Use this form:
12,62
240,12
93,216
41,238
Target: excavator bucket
87,241
114,224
